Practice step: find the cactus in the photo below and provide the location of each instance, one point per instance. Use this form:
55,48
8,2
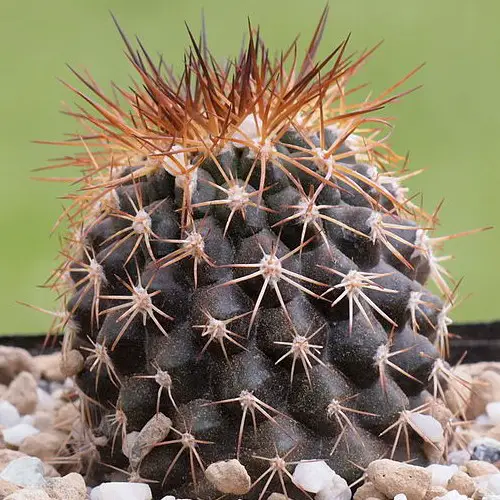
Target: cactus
244,273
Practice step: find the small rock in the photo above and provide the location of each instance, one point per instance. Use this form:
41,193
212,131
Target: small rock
485,449
22,393
13,361
441,474
462,483
49,366
391,477
478,468
9,415
428,426
458,393
335,489
493,484
28,494
66,415
171,497
6,488
3,389
25,471
44,420
458,457
128,443
229,477
69,487
45,400
28,419
312,476
7,456
452,495
155,430
435,491
368,490
483,420
14,436
494,432
434,452
71,363
44,445
114,491
400,496
278,496
486,390
440,411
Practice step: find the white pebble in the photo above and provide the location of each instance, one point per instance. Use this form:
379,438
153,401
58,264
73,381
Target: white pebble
24,471
483,420
493,484
312,476
45,400
428,425
171,497
335,489
9,416
95,494
15,435
452,495
458,457
28,419
441,474
130,491
493,411
400,496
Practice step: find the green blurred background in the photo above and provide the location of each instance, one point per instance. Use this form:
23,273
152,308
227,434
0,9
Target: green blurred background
451,127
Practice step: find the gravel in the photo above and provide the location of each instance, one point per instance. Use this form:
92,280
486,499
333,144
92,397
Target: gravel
38,416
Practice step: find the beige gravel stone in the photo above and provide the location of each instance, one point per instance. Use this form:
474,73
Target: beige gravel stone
368,490
6,488
3,390
440,412
28,494
65,416
69,487
44,420
13,361
71,363
435,491
494,432
434,451
391,478
458,393
154,431
229,476
44,446
49,366
278,496
461,482
22,393
479,468
486,390
475,369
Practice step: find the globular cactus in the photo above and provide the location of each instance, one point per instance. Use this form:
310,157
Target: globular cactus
244,273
